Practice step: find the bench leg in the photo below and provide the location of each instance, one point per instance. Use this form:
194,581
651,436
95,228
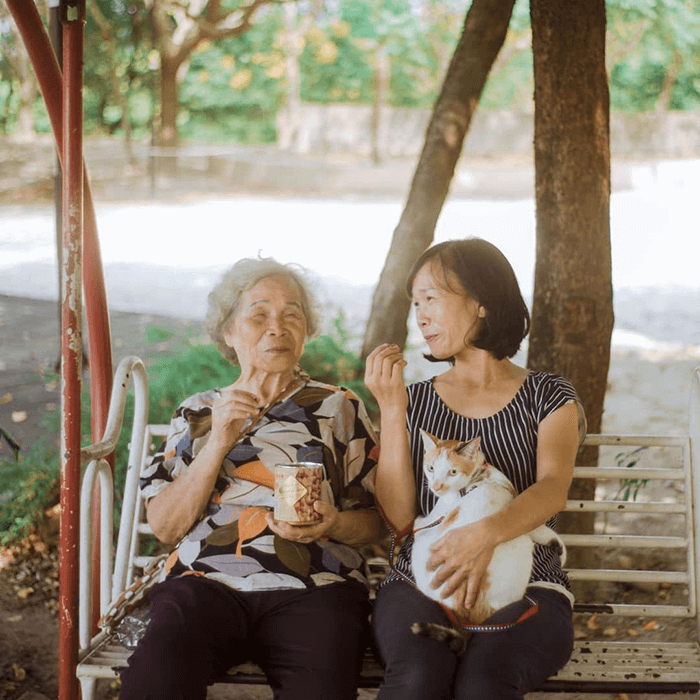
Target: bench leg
87,687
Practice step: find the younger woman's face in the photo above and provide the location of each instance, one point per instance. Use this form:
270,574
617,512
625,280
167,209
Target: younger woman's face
448,320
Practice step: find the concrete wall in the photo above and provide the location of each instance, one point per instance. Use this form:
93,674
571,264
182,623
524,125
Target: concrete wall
346,129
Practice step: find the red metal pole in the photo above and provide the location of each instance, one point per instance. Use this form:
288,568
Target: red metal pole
38,45
73,20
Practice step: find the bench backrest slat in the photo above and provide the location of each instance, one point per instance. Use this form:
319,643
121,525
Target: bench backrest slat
645,479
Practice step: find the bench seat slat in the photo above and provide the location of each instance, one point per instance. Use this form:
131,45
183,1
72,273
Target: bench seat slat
623,507
630,610
608,666
636,440
625,473
633,541
628,576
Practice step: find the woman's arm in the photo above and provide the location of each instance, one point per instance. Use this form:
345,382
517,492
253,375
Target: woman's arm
172,512
462,556
395,487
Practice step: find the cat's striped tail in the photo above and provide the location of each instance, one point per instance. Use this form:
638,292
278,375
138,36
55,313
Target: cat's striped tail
455,639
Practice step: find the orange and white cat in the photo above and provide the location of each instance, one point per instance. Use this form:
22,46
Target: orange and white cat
469,489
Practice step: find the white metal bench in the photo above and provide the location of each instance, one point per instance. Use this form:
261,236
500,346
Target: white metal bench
648,546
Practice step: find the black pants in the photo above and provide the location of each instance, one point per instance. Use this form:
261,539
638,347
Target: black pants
496,665
309,642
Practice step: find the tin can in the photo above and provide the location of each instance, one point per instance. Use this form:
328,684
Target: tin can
297,488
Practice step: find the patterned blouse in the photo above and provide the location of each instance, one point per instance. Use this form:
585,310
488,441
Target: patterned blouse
509,442
231,542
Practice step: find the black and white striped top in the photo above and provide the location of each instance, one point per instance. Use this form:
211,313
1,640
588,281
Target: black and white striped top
509,442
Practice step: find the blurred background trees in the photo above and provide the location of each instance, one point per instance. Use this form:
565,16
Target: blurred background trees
222,71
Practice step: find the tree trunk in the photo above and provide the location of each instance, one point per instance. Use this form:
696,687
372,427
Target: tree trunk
110,45
382,74
168,101
483,35
289,120
28,91
572,317
28,88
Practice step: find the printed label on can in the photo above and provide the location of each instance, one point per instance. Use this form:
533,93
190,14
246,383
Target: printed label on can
297,488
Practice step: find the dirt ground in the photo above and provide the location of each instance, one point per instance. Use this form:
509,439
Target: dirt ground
28,354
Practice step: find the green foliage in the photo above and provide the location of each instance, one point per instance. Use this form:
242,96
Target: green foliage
233,89
8,105
179,375
339,57
130,42
629,488
327,359
155,334
30,485
648,42
334,67
236,84
27,488
512,85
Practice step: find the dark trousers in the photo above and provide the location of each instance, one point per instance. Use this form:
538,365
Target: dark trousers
500,665
309,642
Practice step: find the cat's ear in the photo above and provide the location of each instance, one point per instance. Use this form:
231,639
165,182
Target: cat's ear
470,449
429,441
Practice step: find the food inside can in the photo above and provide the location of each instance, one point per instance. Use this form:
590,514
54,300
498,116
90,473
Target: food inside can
297,488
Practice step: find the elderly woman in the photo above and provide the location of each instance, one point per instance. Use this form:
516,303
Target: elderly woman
241,585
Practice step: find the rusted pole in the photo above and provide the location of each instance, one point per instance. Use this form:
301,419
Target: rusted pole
48,73
73,21
38,45
56,35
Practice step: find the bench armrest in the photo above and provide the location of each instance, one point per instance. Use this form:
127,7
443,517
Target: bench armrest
97,469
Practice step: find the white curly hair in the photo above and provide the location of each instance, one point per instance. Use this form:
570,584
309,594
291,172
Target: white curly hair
224,299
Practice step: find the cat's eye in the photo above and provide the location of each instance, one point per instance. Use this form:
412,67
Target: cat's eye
429,468
453,472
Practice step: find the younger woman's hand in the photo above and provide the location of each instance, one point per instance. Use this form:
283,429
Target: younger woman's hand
304,532
384,377
460,560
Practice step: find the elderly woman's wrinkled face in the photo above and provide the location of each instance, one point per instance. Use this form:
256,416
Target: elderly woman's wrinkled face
269,330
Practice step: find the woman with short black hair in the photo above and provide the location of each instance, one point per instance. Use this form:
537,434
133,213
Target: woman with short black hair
471,313
482,273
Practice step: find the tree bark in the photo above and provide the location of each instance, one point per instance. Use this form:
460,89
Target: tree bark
28,92
18,58
382,75
169,101
110,45
289,119
178,29
483,34
572,317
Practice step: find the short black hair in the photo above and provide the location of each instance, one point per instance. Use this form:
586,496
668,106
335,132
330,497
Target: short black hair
486,276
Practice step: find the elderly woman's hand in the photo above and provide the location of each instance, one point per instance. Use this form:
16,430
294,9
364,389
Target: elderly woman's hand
384,377
306,533
230,410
